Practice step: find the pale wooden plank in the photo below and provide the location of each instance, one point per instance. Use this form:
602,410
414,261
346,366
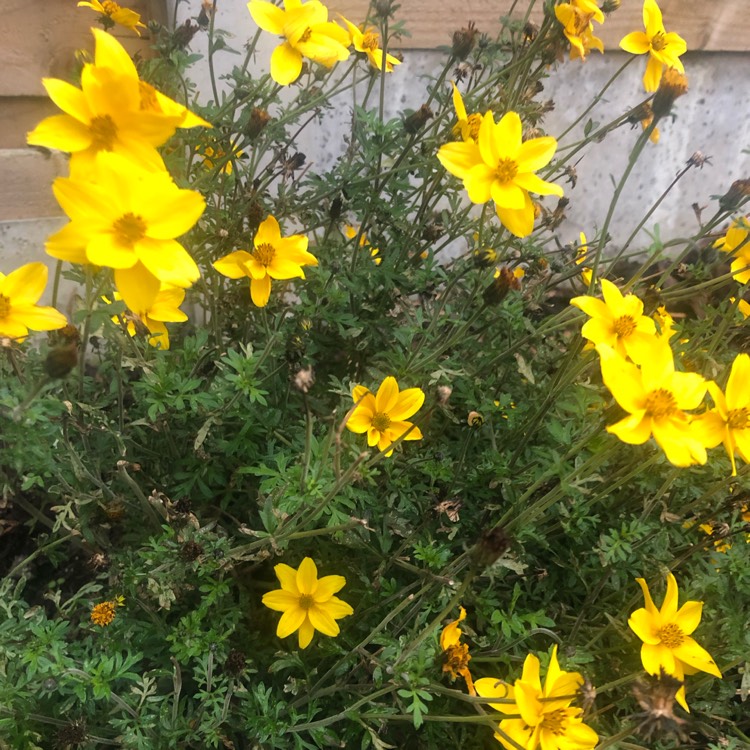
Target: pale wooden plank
39,38
26,183
716,26
18,115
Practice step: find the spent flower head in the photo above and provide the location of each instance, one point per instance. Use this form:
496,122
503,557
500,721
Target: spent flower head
456,655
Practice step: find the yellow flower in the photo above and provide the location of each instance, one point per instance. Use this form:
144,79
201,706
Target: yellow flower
467,126
583,251
273,257
575,18
737,242
308,602
351,233
664,49
666,637
547,718
154,312
112,11
655,397
128,219
743,307
103,614
368,42
617,322
499,166
729,421
647,120
112,111
665,322
307,33
216,154
20,291
456,655
383,415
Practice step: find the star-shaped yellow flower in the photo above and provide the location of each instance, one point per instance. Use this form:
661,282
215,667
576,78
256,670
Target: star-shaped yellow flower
664,49
114,13
308,602
666,637
500,166
729,421
307,33
737,242
383,415
617,322
468,125
20,291
575,18
273,257
656,398
369,42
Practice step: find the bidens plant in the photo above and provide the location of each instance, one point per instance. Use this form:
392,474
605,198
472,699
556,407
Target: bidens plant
368,448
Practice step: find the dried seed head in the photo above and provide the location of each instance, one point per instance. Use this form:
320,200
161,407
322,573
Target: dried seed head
698,159
736,195
304,380
464,40
236,663
71,734
491,545
191,551
497,291
61,360
259,118
656,696
443,394
610,6
417,120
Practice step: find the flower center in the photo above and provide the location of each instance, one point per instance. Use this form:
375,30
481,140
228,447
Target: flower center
103,132
129,229
555,721
110,7
264,253
737,419
381,421
474,120
148,97
658,43
371,40
306,34
506,170
660,403
306,601
4,306
457,659
671,635
624,326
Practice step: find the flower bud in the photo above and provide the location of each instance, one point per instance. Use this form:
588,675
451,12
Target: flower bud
464,40
417,120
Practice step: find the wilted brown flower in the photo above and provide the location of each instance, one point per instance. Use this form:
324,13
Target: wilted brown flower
656,696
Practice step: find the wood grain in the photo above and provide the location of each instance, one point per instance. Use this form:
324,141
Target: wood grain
26,184
715,26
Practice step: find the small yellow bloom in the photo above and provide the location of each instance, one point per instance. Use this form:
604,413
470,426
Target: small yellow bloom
112,111
665,322
666,637
617,322
115,14
308,602
128,219
351,233
456,655
307,33
729,421
664,49
273,257
743,306
369,43
383,415
215,154
103,614
581,257
575,18
154,312
499,166
20,291
737,242
467,127
656,398
547,717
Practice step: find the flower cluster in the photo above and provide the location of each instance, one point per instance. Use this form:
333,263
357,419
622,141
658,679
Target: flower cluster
308,34
539,715
125,210
638,368
665,632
